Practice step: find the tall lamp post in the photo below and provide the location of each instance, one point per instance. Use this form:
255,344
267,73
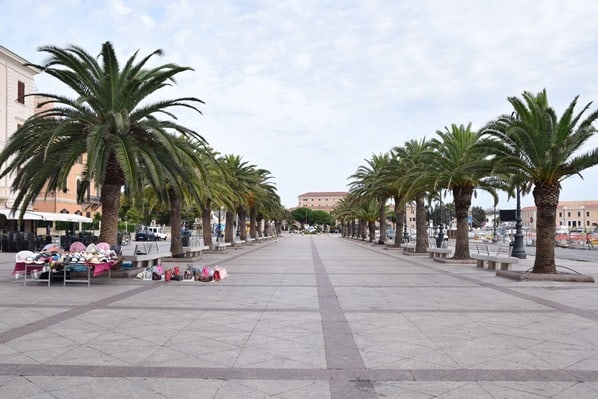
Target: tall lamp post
518,248
440,237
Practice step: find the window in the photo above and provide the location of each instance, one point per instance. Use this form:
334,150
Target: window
588,213
568,214
578,214
560,214
21,92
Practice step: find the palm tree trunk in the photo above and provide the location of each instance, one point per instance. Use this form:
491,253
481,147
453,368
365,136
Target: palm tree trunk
242,213
110,200
253,222
206,223
372,228
400,216
382,220
176,243
260,226
546,199
229,229
462,197
421,227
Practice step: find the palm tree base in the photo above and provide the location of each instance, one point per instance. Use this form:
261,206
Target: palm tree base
558,276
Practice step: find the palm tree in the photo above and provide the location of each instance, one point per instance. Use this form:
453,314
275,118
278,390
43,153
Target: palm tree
368,181
240,183
462,165
168,198
110,119
392,177
541,150
263,194
417,156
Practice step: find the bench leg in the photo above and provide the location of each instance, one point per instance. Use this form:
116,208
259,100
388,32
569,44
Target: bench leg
505,266
491,265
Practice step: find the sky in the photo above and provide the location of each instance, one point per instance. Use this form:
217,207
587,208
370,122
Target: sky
311,89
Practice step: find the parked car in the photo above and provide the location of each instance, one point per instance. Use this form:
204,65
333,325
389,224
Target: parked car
145,235
157,230
390,234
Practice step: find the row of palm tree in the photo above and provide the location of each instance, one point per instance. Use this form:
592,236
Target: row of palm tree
530,149
132,145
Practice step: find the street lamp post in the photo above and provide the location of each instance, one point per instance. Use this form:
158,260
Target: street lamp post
518,248
440,237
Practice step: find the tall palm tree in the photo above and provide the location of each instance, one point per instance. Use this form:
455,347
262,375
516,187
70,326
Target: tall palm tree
462,165
417,156
241,180
392,177
263,194
541,150
368,181
110,119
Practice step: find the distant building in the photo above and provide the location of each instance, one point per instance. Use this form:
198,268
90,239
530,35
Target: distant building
321,200
570,215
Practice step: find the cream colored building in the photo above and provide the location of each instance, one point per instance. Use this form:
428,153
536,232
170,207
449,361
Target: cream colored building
16,80
570,215
321,200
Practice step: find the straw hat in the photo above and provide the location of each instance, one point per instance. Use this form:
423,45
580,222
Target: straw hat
94,259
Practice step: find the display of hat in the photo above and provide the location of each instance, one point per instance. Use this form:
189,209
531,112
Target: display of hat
94,259
91,249
29,259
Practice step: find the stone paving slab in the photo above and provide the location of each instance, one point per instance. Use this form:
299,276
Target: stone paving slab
304,317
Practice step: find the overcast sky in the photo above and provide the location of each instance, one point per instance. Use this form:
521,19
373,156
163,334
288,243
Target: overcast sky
311,89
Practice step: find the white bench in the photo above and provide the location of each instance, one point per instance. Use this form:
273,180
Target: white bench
196,246
146,255
438,253
221,245
408,247
485,259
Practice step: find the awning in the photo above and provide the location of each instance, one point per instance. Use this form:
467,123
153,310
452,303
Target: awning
46,216
64,217
8,213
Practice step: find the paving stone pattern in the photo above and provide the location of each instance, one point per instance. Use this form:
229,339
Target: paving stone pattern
303,317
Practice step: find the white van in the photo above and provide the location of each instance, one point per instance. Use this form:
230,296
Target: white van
157,230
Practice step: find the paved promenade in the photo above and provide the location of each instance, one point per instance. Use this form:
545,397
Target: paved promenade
303,317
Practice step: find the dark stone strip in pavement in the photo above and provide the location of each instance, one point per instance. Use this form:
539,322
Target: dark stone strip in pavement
284,310
341,349
349,382
75,311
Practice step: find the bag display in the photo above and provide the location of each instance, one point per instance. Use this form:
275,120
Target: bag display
220,273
